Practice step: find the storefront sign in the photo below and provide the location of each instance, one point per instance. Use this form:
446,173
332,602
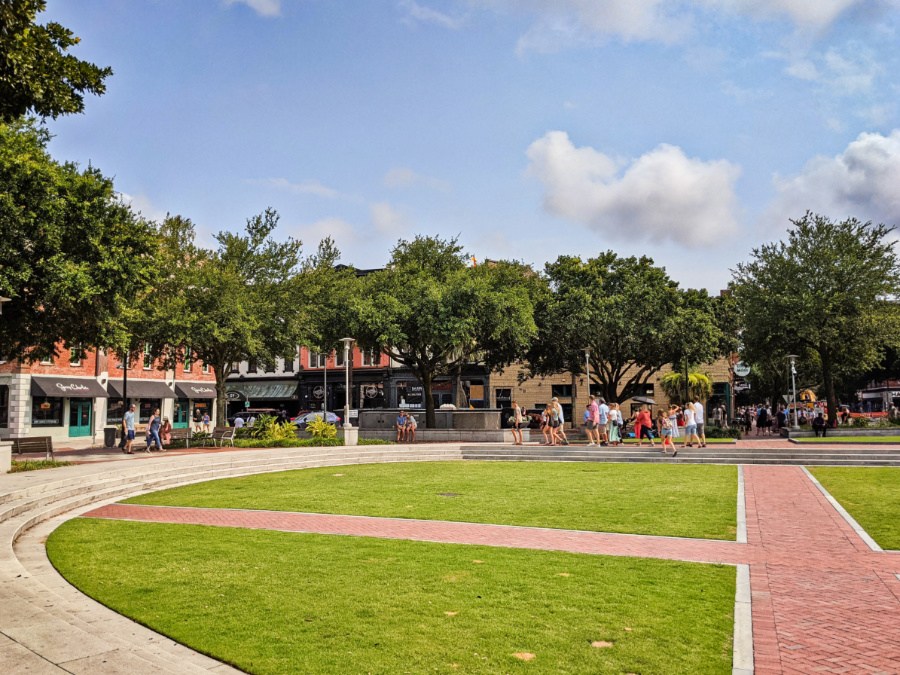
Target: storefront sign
741,369
200,391
75,389
233,395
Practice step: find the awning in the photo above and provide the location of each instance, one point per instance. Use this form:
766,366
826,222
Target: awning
138,388
194,390
73,387
255,391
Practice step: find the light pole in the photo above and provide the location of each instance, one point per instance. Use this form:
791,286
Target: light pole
347,342
795,426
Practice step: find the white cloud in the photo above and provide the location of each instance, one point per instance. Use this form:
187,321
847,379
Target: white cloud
266,8
141,204
404,178
813,13
849,72
389,221
307,187
860,182
662,195
417,13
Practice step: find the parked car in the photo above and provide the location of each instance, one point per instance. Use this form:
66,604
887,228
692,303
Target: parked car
303,419
256,413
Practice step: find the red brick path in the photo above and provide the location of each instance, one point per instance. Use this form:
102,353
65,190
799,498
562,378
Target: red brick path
822,601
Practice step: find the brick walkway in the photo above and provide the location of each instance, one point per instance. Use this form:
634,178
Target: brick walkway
822,601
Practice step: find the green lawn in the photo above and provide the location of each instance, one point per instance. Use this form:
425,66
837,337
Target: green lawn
871,495
679,500
851,439
275,602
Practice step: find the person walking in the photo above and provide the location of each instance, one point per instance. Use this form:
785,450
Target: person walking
554,424
593,431
700,413
690,426
762,416
545,425
562,421
673,420
642,422
517,424
153,431
615,429
198,420
603,425
238,422
128,422
665,430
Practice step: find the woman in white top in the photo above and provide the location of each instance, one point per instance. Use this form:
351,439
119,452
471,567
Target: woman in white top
517,424
690,426
673,419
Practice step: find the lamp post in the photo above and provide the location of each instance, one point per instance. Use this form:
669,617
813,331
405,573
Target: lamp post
347,342
795,426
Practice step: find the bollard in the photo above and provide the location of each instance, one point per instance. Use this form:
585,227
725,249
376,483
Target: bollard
5,456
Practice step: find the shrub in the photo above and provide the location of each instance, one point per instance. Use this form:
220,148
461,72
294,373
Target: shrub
35,464
374,441
860,423
286,443
319,428
267,428
718,432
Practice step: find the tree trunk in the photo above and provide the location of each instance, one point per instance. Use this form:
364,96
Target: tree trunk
430,420
574,420
828,381
221,417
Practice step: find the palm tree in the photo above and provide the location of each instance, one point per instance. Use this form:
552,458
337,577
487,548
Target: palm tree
699,386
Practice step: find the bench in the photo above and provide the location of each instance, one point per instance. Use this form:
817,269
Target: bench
36,444
220,435
181,435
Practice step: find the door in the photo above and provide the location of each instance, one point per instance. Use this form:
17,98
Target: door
180,413
80,417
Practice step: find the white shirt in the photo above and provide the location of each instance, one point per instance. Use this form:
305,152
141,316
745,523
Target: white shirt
698,408
238,422
251,421
690,417
560,412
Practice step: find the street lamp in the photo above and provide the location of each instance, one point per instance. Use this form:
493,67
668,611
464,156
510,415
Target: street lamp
796,426
347,342
587,368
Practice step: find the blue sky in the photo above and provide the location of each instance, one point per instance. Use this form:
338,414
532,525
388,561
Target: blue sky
688,130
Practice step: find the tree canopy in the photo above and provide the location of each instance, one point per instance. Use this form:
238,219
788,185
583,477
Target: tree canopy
829,293
629,313
73,257
432,313
37,74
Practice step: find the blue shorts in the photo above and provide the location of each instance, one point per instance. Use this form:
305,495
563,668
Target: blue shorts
690,429
666,432
131,434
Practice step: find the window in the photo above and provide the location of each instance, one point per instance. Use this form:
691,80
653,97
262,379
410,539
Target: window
504,398
371,358
206,369
648,390
251,366
75,356
46,411
187,364
148,360
114,410
146,408
561,390
289,365
47,362
235,367
4,406
316,360
339,358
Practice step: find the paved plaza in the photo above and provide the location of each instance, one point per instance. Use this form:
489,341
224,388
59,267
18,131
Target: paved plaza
823,599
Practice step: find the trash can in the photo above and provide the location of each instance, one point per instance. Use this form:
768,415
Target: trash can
109,437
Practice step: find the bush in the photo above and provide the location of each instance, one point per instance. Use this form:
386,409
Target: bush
287,443
374,441
719,432
268,428
860,423
319,428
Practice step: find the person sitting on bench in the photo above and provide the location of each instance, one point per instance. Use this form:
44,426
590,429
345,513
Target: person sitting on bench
818,425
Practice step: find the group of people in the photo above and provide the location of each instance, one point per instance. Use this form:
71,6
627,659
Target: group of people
406,427
159,431
201,421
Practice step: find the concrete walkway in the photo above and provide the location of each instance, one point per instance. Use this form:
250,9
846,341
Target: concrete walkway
822,599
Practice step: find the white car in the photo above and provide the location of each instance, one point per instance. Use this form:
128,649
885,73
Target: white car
304,419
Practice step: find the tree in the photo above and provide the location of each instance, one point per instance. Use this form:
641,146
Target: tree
432,313
831,289
73,257
227,305
629,313
699,386
37,75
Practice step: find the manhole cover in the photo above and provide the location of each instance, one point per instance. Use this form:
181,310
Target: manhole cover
448,494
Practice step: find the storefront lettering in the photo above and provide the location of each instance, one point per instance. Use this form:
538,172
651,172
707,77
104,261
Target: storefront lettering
202,390
72,387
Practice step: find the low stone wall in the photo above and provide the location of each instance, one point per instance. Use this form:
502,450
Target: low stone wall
842,432
385,418
449,435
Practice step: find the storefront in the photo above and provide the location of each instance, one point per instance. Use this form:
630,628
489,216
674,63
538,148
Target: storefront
146,395
192,398
64,406
277,395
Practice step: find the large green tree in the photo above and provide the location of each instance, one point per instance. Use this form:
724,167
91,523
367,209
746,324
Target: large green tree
831,290
432,313
234,303
73,257
37,74
631,316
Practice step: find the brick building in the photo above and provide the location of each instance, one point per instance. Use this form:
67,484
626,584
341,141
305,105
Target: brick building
72,399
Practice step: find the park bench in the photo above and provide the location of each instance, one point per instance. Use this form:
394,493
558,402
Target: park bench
219,435
36,444
181,435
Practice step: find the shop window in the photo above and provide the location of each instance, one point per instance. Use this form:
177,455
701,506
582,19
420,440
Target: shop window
252,366
561,390
146,408
46,411
4,406
148,359
235,367
114,410
339,358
